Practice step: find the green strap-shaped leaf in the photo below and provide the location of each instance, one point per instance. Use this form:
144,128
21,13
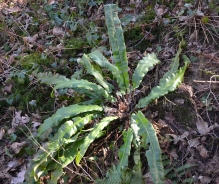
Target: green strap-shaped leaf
167,85
51,79
174,65
56,174
66,112
84,87
137,176
153,154
92,136
112,177
99,58
125,149
61,138
43,157
117,43
142,68
69,128
86,63
70,152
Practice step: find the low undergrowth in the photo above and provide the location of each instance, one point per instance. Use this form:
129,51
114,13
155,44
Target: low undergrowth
72,129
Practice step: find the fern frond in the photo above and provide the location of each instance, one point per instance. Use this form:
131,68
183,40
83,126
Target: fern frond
174,65
66,112
153,154
142,68
51,79
169,84
56,174
100,59
117,43
61,138
112,177
137,176
92,136
124,151
90,69
84,87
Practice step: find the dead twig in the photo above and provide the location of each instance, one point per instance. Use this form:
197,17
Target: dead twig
214,82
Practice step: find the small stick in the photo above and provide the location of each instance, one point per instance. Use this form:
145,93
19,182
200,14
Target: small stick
215,82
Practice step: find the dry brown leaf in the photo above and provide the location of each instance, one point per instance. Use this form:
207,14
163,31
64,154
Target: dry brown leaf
160,12
4,174
204,179
179,101
36,116
148,178
193,36
174,154
2,133
183,18
35,124
16,147
7,88
51,1
20,176
11,10
194,142
13,164
212,166
29,39
19,120
57,31
202,151
11,130
178,138
202,126
162,123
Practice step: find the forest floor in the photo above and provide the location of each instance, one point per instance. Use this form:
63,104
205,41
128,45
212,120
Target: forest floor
51,35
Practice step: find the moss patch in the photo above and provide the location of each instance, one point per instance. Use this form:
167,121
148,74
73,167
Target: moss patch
23,93
133,37
181,108
35,59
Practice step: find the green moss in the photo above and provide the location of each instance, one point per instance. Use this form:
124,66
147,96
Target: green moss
184,113
149,16
76,43
135,36
23,93
74,46
78,98
35,59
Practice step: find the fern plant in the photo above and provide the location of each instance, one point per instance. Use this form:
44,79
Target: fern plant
177,173
72,139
